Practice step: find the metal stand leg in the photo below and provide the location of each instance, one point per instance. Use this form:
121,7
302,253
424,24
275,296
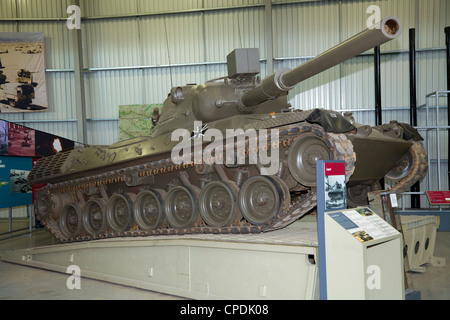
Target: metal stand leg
30,219
381,200
387,206
10,220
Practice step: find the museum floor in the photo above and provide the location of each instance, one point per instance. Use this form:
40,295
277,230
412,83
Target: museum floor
21,282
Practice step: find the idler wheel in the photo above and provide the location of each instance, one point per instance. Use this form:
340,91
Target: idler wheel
70,220
94,216
181,206
148,209
119,211
262,197
218,203
402,167
43,205
303,154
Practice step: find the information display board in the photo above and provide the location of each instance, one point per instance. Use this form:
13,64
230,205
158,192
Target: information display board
14,190
360,254
364,256
363,224
438,197
20,148
334,186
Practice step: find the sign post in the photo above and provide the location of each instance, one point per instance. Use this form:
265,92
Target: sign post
331,195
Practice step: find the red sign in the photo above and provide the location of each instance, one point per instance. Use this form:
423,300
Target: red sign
439,197
334,169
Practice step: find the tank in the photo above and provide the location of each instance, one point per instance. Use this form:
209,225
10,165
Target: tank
19,94
16,94
25,76
226,156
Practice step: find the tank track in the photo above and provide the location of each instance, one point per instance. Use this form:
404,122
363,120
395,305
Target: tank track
340,149
419,167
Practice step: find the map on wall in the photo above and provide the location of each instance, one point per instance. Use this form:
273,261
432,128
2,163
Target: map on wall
22,72
137,120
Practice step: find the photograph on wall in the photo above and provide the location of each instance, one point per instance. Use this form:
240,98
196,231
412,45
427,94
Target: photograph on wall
3,138
335,188
48,144
21,140
18,181
22,72
138,120
14,190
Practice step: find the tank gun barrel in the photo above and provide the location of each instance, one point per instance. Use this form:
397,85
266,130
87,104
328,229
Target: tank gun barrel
285,79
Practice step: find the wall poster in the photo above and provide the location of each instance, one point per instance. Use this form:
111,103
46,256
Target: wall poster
22,72
18,140
14,190
20,148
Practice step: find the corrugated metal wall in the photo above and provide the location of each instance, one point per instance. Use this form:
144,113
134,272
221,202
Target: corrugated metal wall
134,50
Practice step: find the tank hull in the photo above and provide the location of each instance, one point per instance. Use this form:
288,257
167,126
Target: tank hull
149,194
370,150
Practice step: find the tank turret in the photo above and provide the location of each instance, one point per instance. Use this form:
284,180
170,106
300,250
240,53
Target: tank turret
241,92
